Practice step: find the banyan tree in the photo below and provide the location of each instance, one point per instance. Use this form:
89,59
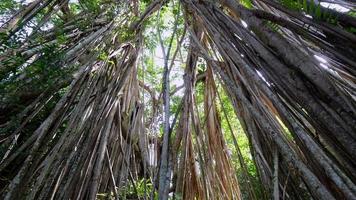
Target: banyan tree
178,99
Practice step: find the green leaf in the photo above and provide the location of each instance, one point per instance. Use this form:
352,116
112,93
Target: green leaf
318,12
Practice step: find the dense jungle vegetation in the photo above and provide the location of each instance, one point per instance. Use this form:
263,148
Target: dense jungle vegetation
178,99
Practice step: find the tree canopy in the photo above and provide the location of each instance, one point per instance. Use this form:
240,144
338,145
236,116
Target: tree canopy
177,99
